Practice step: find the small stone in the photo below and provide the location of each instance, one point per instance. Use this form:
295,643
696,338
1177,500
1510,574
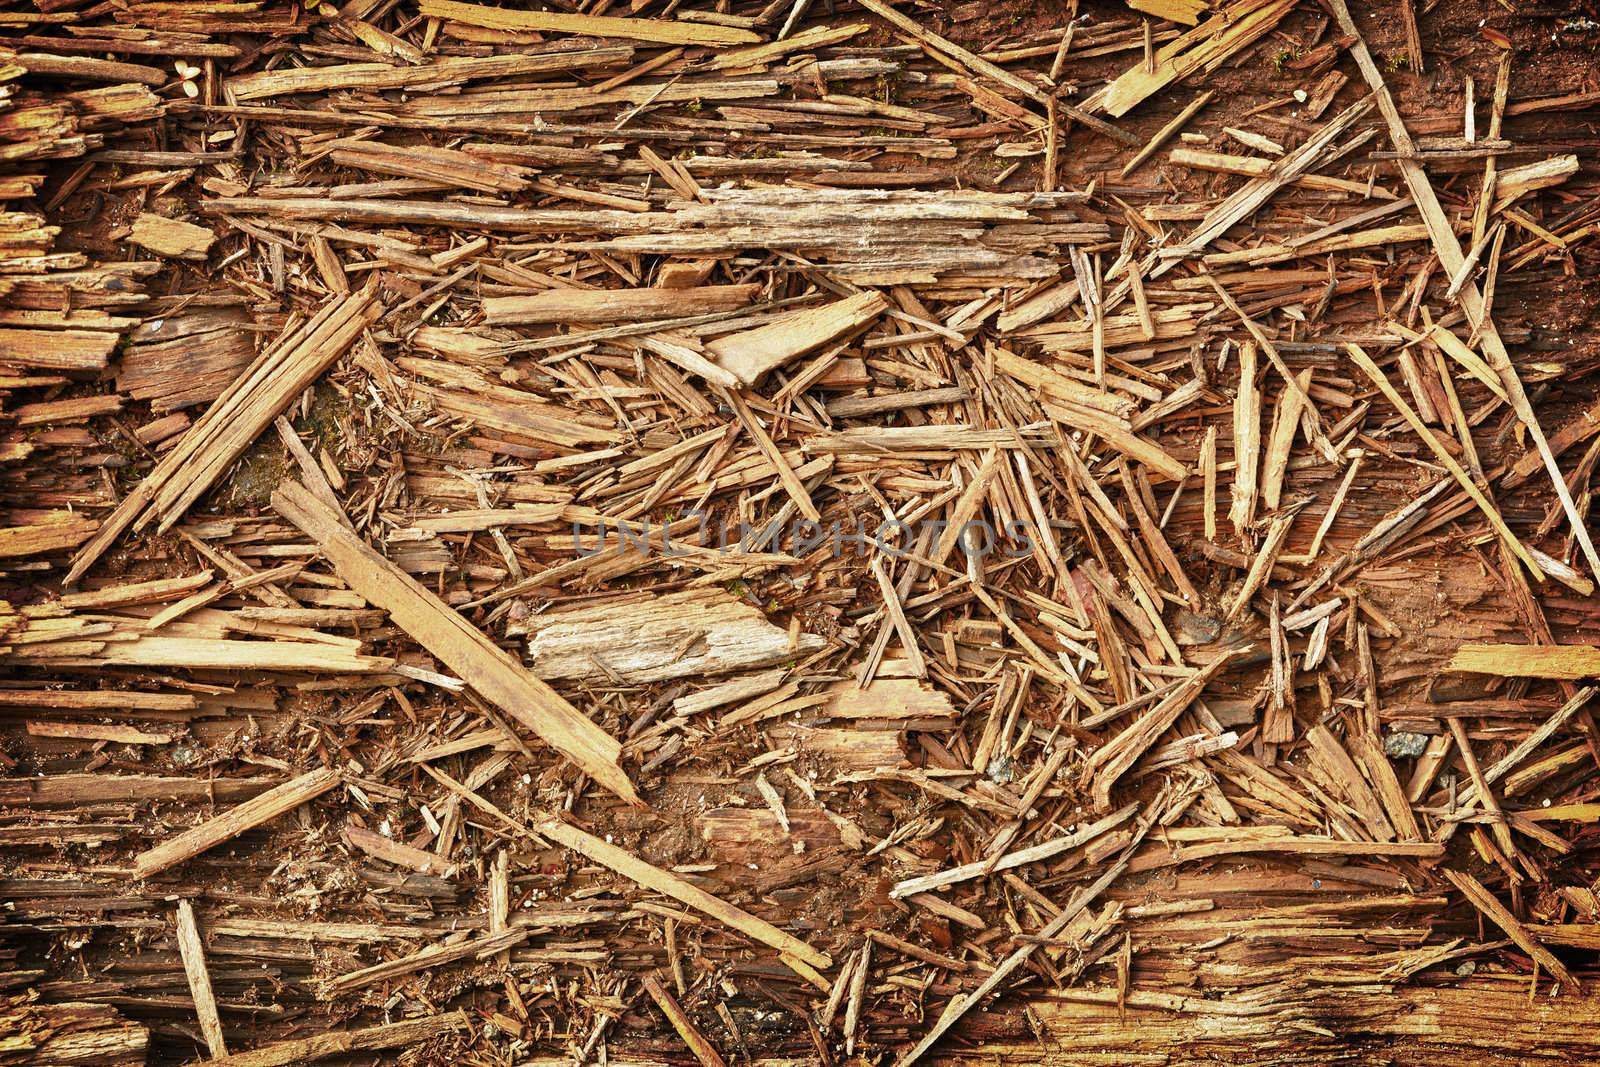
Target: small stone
1192,628
1002,770
1401,744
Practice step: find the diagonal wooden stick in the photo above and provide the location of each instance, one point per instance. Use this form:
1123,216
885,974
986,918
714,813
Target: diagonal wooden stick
1485,901
461,646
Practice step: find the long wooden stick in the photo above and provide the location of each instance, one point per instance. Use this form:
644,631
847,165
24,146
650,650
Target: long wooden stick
630,866
1485,901
1164,134
235,821
658,31
702,1048
193,952
432,956
983,868
458,644
392,1035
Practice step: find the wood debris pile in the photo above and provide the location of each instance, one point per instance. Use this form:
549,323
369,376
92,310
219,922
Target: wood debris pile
798,532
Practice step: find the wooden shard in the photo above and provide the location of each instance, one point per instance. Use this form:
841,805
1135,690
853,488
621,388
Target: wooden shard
252,813
748,356
653,878
171,237
650,640
458,644
659,31
1528,661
